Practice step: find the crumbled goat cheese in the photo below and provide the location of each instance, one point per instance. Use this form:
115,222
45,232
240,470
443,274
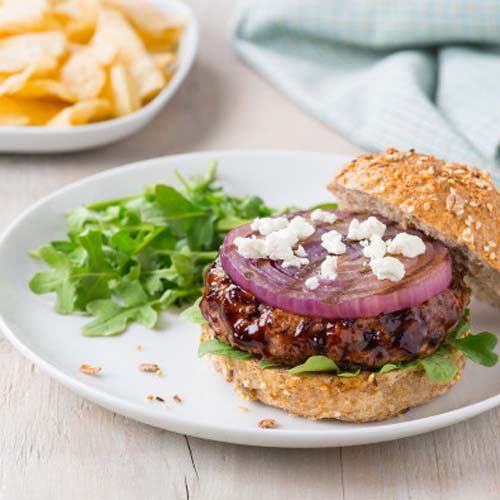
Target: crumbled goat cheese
407,245
250,248
332,242
364,243
319,215
388,268
295,261
279,241
376,248
366,229
329,268
279,245
312,283
300,252
268,225
300,227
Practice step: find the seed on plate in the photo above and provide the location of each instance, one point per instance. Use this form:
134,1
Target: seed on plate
149,367
89,369
243,409
267,423
160,399
138,347
177,398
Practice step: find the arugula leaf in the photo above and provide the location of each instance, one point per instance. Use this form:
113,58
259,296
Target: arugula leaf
161,240
58,279
193,313
478,347
112,318
315,364
438,368
264,364
219,348
345,374
389,367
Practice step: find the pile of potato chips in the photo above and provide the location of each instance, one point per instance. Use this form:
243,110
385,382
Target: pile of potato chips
71,62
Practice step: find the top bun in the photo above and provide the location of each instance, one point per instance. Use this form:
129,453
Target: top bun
451,202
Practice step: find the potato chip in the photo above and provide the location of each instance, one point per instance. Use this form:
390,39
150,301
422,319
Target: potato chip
81,113
145,16
14,83
40,88
18,120
34,111
39,50
125,96
17,16
83,75
79,18
113,27
165,61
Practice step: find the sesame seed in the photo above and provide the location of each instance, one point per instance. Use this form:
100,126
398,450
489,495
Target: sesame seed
493,255
427,205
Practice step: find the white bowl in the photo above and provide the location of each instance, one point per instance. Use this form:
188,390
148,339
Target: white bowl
52,140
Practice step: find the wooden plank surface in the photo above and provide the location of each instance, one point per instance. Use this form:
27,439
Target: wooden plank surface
54,445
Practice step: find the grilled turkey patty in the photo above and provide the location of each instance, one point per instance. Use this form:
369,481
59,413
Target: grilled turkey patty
238,318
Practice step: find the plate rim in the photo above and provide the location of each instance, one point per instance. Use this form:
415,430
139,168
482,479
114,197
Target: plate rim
186,425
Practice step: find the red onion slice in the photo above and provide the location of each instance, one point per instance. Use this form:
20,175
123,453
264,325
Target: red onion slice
356,293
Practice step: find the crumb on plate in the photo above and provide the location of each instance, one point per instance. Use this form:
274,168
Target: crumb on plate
89,369
267,423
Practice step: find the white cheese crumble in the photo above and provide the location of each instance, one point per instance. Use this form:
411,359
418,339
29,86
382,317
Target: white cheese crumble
375,249
407,245
312,283
388,268
328,270
295,261
281,236
332,242
300,251
319,215
268,225
300,227
366,229
250,248
279,245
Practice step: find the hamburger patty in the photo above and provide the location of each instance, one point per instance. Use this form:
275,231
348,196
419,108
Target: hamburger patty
239,319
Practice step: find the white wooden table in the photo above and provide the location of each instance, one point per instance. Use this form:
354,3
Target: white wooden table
54,445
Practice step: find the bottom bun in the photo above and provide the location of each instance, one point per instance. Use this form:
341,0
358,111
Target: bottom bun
366,398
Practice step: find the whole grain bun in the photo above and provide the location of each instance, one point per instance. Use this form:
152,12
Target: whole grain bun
366,398
451,202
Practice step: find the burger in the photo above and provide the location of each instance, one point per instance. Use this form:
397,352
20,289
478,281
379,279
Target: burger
360,312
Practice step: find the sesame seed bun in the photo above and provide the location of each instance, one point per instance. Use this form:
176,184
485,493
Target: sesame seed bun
451,202
367,397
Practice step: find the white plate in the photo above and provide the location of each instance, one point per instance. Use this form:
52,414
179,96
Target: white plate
58,140
210,407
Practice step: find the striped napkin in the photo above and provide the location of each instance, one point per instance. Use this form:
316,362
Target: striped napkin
421,74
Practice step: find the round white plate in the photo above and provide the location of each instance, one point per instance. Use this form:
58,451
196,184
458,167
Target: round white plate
209,408
57,140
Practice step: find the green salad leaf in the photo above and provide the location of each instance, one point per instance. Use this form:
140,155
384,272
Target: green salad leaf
219,348
125,260
478,347
264,364
438,368
315,364
193,313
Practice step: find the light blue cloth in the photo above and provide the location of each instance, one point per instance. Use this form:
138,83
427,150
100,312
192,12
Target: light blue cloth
421,74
